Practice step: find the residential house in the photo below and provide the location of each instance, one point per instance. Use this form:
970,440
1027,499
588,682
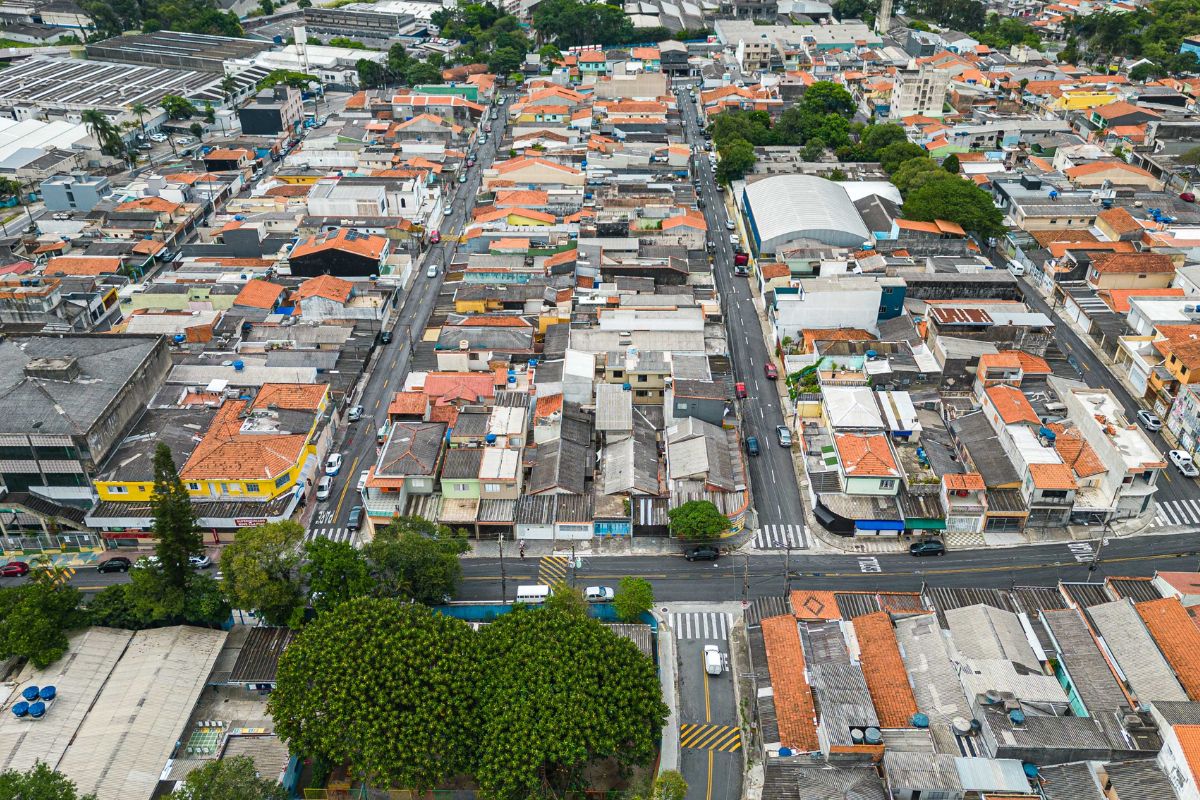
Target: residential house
343,252
408,465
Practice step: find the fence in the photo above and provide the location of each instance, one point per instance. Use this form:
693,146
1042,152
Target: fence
50,543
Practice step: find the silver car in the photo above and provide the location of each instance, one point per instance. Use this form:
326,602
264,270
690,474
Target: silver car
1149,421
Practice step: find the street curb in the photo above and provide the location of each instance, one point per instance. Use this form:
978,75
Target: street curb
668,675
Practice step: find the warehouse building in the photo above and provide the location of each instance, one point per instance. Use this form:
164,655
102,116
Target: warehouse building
190,51
787,209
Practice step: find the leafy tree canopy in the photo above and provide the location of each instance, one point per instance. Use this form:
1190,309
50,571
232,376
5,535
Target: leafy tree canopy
952,198
39,782
737,158
416,559
385,686
1003,32
697,520
571,23
560,691
335,572
34,620
914,172
634,597
262,572
288,77
229,779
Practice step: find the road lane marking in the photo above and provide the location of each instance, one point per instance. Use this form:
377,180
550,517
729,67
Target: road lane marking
869,564
726,738
341,499
553,569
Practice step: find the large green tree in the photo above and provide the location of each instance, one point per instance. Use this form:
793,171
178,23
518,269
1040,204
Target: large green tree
387,687
897,153
35,618
177,107
952,198
415,559
560,692
697,520
39,782
737,158
634,597
335,572
175,531
570,23
262,572
229,779
915,172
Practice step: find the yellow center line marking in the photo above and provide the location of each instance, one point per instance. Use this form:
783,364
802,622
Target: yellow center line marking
708,790
338,511
707,705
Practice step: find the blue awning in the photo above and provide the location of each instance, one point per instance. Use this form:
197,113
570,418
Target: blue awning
879,525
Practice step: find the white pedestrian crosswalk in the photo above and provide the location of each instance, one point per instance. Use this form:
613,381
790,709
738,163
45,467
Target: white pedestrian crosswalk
781,537
1177,513
336,534
701,625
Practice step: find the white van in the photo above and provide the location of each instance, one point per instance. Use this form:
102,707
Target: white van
1016,269
533,594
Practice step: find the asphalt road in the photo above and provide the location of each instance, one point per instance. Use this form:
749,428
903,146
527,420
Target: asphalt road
772,475
390,362
740,577
710,755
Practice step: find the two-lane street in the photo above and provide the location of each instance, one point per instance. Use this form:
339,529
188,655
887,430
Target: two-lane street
391,361
777,503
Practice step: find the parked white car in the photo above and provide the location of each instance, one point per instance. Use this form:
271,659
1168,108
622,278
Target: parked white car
333,464
713,663
1183,462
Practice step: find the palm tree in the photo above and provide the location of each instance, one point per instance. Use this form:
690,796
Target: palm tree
96,123
229,87
140,110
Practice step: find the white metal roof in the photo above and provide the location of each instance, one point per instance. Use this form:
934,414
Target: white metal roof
852,407
789,207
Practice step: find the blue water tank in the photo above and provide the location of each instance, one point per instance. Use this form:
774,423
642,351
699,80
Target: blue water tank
1031,770
871,354
919,720
784,752
1016,717
178,338
490,438
30,693
239,217
37,710
873,736
1046,433
48,692
20,708
238,366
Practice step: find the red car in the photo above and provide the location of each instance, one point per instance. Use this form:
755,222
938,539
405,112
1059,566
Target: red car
770,370
14,569
435,237
1187,197
739,389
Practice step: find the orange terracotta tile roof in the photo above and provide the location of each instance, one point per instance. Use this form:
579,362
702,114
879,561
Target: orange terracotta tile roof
229,154
148,247
1129,263
472,387
1077,454
1031,364
225,453
158,205
83,265
1058,248
1006,360
1118,299
775,270
511,243
882,666
259,294
794,708
966,481
815,604
447,414
1012,405
1120,109
1177,638
1189,743
548,406
1054,477
1046,238
558,259
494,321
289,190
362,244
408,403
866,456
292,396
522,197
521,162
325,286
1097,167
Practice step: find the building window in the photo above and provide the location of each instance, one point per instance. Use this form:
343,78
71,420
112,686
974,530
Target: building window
251,487
118,489
618,373
1054,494
194,487
282,480
887,483
491,487
642,393
1053,222
460,487
643,378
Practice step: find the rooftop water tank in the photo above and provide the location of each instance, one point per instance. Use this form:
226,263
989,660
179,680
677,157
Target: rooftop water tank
48,692
1016,717
490,438
874,736
20,708
37,710
919,720
238,366
856,736
30,693
1031,770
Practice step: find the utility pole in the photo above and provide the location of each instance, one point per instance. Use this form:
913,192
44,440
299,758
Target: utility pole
573,576
787,570
745,580
503,583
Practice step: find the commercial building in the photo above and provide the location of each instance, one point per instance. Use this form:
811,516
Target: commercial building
919,91
68,402
272,112
180,50
784,209
75,192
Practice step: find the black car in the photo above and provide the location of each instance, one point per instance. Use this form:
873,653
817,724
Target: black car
354,521
702,553
928,547
386,337
114,564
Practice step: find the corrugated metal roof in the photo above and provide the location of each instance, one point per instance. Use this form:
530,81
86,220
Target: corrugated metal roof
1140,780
856,604
1087,595
1070,782
944,598
1089,672
1146,671
1139,590
803,780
